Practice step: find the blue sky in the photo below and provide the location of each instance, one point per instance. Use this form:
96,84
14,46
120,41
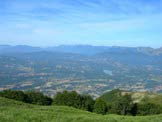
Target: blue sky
95,22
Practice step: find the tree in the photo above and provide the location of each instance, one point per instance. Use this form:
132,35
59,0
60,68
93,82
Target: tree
16,95
38,98
87,103
123,105
100,107
68,98
148,109
74,99
134,109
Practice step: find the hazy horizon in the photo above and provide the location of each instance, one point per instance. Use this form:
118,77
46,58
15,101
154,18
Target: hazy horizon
80,45
135,23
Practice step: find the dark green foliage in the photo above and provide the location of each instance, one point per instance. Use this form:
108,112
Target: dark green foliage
28,97
134,109
112,96
17,95
15,111
74,99
67,98
38,98
87,103
118,103
100,107
148,109
122,106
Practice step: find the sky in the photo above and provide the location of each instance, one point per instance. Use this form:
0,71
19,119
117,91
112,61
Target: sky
70,22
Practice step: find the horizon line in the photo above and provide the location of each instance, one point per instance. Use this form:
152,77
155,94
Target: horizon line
14,45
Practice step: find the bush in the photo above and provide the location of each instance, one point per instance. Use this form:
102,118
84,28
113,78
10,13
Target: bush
74,99
87,103
100,107
134,109
38,98
122,106
27,97
148,109
67,98
16,95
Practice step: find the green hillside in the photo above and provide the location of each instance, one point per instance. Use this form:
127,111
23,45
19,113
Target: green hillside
14,111
137,97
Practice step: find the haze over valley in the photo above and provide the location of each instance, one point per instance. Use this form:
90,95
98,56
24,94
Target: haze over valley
80,60
86,69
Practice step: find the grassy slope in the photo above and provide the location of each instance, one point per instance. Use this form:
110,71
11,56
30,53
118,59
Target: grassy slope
13,111
136,96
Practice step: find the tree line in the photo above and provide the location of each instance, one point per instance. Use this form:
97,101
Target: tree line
32,97
122,104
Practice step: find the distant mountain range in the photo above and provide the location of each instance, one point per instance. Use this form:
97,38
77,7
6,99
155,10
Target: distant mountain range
80,49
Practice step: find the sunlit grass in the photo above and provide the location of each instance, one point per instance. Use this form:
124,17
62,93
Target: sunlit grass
13,111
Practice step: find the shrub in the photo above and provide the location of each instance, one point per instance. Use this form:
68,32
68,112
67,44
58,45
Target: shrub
27,97
122,106
16,95
74,99
148,109
100,107
67,98
38,98
87,103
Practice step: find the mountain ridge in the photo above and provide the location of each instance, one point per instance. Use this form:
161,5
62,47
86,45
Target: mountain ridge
80,49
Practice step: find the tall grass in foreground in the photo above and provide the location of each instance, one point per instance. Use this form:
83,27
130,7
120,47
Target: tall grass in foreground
13,111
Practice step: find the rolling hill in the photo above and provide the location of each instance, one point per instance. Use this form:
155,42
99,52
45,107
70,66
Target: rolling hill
14,111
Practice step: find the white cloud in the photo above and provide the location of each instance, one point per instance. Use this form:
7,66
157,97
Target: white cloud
46,32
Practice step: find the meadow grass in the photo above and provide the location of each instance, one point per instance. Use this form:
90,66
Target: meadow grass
14,111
